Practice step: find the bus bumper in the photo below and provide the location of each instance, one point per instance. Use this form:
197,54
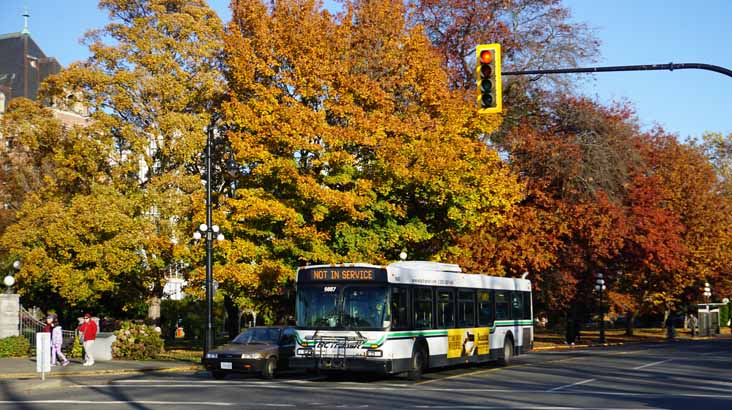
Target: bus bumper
340,363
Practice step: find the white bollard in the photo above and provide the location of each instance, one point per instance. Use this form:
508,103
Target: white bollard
43,353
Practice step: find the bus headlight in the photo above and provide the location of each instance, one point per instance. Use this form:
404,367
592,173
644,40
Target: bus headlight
305,352
374,353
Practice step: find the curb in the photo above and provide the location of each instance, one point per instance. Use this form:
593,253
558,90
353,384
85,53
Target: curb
586,346
22,377
26,385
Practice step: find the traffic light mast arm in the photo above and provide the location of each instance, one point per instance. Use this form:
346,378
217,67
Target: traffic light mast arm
643,67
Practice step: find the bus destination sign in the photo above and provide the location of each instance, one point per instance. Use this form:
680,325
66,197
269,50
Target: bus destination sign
342,274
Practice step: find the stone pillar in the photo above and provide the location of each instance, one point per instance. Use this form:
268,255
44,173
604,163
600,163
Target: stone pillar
9,315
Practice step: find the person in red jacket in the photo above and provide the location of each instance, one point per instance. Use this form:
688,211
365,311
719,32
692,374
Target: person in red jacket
49,324
88,331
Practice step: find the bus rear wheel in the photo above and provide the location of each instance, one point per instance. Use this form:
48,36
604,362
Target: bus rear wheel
505,360
418,364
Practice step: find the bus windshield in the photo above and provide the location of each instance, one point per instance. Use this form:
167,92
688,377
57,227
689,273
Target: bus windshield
350,307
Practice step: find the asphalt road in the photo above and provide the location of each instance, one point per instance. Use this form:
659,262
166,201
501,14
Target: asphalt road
675,375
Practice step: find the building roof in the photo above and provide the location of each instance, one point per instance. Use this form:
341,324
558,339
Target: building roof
10,35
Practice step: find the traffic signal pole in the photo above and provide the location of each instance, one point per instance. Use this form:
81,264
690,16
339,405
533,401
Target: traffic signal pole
642,67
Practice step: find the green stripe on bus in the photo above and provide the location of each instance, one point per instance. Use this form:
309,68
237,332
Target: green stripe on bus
395,335
419,333
512,322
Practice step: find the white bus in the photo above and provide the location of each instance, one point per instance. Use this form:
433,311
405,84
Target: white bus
407,317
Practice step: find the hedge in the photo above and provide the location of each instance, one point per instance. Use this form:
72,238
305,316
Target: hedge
137,342
14,346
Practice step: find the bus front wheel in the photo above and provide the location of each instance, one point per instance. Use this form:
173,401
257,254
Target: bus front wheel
418,363
507,352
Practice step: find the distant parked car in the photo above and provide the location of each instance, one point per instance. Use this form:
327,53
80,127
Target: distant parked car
263,350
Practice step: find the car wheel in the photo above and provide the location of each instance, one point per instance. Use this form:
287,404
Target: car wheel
270,367
218,375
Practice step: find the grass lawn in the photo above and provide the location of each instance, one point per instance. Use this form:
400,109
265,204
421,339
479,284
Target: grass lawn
549,337
184,355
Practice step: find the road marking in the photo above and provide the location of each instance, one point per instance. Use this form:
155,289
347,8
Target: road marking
571,385
270,386
495,369
178,403
651,364
138,402
479,407
629,352
226,382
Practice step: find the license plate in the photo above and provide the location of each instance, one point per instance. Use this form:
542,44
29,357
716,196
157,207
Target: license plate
226,365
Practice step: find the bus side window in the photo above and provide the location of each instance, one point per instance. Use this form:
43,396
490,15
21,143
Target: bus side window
517,305
399,308
445,309
527,305
422,308
466,308
485,308
502,305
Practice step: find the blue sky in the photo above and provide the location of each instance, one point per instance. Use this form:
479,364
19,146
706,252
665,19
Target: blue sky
686,102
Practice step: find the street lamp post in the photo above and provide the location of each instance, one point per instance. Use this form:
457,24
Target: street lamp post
707,294
209,230
9,280
600,288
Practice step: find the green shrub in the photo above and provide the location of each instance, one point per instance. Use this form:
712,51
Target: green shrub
724,315
77,348
14,346
137,342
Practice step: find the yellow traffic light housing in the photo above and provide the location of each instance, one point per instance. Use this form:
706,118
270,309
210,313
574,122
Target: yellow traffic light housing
488,78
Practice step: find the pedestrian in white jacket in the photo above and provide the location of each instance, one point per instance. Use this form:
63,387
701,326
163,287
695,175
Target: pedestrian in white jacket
57,340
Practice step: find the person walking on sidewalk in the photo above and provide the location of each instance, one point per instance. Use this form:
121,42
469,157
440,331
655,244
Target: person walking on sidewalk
57,338
88,331
48,327
692,324
49,324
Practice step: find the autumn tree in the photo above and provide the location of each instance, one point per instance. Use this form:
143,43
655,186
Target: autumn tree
58,181
718,150
594,204
27,134
572,154
700,196
152,80
351,143
534,34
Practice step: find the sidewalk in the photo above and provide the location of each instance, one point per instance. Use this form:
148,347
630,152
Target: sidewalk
21,372
548,340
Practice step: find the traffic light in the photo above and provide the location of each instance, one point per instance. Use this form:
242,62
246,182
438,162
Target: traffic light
488,77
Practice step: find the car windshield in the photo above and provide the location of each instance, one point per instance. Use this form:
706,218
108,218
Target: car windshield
258,336
342,307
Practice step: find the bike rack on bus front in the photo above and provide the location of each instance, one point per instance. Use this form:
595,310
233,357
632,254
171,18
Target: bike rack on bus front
341,344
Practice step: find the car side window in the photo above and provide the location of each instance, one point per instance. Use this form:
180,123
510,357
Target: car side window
288,336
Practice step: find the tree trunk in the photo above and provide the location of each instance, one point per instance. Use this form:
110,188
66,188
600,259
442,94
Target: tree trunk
232,316
153,310
629,318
